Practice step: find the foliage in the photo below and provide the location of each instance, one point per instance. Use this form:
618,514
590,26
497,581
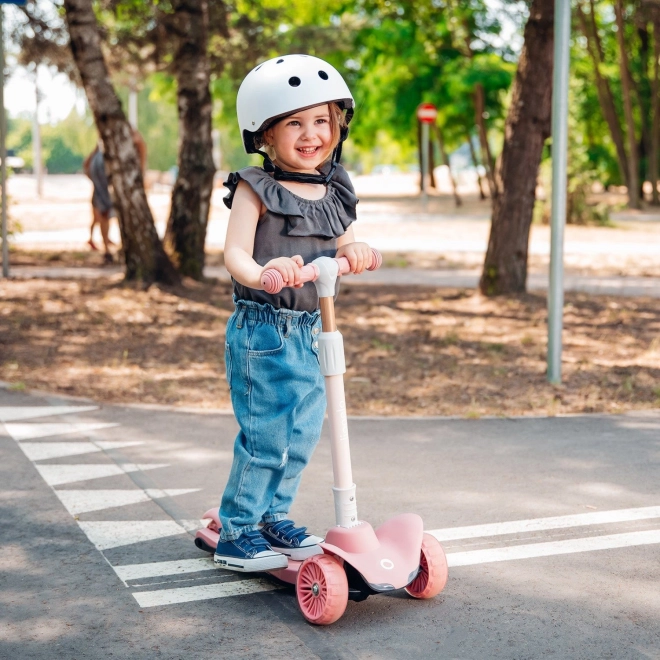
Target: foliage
157,120
394,55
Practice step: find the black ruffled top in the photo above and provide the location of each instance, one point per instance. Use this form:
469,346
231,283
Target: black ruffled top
294,225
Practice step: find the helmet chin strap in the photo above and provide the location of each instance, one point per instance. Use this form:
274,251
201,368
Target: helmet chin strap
302,177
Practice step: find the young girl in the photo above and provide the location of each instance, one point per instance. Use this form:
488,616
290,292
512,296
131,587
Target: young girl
300,206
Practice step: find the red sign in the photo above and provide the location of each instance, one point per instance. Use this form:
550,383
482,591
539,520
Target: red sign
427,113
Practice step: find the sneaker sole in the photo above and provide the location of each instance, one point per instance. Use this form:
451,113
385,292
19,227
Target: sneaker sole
300,554
251,565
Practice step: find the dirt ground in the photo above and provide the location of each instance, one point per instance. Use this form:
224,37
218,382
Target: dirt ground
410,350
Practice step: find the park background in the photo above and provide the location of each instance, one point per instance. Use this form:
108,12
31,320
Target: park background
412,349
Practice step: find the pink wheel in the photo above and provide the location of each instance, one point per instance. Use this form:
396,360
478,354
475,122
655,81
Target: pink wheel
321,590
433,570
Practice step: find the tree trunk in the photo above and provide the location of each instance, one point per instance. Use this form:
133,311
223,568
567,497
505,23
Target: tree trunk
626,88
605,96
445,159
432,181
475,162
145,258
191,195
527,127
643,97
480,121
655,114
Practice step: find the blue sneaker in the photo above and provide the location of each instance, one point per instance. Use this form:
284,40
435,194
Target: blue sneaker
283,536
249,552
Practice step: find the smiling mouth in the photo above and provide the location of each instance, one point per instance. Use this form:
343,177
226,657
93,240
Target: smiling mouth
308,151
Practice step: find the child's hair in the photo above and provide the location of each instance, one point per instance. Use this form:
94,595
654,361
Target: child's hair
337,123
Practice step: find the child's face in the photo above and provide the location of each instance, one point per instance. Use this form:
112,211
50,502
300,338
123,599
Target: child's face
303,140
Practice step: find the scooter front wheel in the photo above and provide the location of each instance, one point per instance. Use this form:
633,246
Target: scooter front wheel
433,570
321,589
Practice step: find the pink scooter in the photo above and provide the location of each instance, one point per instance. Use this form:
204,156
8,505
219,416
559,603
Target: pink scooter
357,561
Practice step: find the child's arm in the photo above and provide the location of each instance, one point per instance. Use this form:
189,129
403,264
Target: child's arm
239,245
358,254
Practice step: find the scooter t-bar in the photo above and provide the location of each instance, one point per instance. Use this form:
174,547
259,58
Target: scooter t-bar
324,272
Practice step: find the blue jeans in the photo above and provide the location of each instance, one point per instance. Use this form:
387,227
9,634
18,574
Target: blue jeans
278,395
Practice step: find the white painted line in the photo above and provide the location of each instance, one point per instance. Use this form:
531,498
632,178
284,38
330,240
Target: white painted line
117,444
192,525
551,548
157,494
41,451
56,475
27,431
13,413
107,534
84,501
162,568
540,524
202,592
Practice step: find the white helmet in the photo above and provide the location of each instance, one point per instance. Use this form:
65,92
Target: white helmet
283,85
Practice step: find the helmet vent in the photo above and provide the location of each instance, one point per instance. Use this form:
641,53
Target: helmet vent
279,61
294,81
323,75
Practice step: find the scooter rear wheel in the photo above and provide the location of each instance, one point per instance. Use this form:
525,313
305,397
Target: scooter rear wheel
321,589
433,570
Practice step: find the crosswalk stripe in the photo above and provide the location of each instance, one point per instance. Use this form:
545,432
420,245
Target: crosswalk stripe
162,568
41,451
106,534
14,413
202,592
28,431
551,548
57,475
542,524
85,501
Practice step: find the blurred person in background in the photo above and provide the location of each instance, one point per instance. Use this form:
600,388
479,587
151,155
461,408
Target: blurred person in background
102,210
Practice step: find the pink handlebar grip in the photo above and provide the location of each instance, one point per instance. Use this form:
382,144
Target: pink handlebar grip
273,282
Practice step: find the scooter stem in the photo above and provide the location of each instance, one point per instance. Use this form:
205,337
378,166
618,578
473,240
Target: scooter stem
333,367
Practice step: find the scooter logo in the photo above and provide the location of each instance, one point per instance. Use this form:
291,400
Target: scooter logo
387,564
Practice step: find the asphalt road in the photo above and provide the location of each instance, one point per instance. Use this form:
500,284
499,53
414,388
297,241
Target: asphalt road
96,562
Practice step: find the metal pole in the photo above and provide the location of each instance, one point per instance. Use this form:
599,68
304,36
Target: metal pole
133,108
3,153
425,159
559,158
36,140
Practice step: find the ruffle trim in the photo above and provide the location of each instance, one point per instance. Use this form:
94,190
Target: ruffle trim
328,217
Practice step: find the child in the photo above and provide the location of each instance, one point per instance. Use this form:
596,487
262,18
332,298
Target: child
300,206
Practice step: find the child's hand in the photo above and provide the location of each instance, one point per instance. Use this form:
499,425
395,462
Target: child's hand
358,255
288,268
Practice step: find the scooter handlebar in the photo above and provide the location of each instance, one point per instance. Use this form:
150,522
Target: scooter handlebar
273,282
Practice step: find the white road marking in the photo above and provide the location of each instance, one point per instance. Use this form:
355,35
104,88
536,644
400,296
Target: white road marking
27,431
541,524
84,501
202,592
162,568
551,548
41,451
157,493
105,534
117,444
56,475
13,413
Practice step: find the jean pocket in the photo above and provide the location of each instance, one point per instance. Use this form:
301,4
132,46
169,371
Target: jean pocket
265,340
228,363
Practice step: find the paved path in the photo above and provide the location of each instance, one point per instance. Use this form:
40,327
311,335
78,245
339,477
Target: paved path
468,279
551,527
